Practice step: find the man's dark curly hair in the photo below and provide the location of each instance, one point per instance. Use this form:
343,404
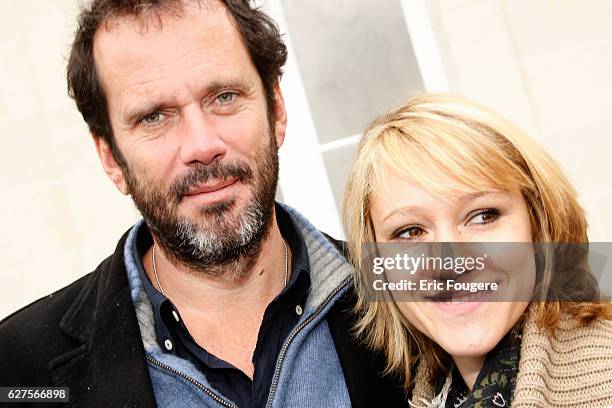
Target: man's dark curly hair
259,33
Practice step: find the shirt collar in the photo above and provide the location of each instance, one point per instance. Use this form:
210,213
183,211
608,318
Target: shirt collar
296,290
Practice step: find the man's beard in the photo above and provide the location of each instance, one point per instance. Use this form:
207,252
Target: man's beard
216,239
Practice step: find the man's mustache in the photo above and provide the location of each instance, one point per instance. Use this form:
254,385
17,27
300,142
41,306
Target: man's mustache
201,173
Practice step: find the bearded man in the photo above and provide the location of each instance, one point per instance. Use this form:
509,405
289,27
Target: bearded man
220,297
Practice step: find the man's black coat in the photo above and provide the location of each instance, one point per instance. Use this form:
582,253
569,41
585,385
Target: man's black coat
86,337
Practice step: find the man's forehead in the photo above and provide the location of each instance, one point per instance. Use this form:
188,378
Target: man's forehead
131,41
156,20
149,16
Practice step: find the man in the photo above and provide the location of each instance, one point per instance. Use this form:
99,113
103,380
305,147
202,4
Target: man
220,297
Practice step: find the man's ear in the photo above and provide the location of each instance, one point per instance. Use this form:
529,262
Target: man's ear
110,165
280,115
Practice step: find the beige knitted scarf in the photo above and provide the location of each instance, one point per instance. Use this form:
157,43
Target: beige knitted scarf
572,369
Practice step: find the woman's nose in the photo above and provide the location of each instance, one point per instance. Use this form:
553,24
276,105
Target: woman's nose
447,233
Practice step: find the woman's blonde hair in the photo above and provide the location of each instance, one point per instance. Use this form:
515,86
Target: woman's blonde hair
428,140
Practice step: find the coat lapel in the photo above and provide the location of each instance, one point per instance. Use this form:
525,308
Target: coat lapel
108,368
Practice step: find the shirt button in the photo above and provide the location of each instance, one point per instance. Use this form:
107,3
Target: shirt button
176,317
298,310
168,344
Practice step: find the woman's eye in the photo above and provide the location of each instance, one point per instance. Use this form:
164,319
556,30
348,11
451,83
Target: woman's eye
152,118
484,216
226,97
412,232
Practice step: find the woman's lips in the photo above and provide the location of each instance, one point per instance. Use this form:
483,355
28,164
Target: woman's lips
459,296
458,307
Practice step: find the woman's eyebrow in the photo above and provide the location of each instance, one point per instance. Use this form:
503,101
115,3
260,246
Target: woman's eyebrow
415,209
478,194
404,209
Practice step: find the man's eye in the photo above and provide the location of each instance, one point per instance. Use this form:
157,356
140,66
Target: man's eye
226,97
152,118
485,216
411,232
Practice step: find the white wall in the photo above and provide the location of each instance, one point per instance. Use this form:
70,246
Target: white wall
547,65
59,215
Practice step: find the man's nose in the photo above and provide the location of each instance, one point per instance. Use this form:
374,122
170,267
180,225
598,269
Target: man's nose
200,138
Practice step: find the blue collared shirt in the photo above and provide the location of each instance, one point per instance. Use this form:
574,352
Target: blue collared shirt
281,315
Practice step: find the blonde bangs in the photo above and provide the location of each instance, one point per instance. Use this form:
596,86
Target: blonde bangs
431,150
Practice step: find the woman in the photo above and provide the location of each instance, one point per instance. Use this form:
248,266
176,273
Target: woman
441,169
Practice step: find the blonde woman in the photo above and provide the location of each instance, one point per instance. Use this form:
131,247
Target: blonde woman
441,169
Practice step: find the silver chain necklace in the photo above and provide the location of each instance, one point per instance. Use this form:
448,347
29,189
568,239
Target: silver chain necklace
161,289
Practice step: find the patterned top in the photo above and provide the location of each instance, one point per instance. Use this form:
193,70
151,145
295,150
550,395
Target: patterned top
495,383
